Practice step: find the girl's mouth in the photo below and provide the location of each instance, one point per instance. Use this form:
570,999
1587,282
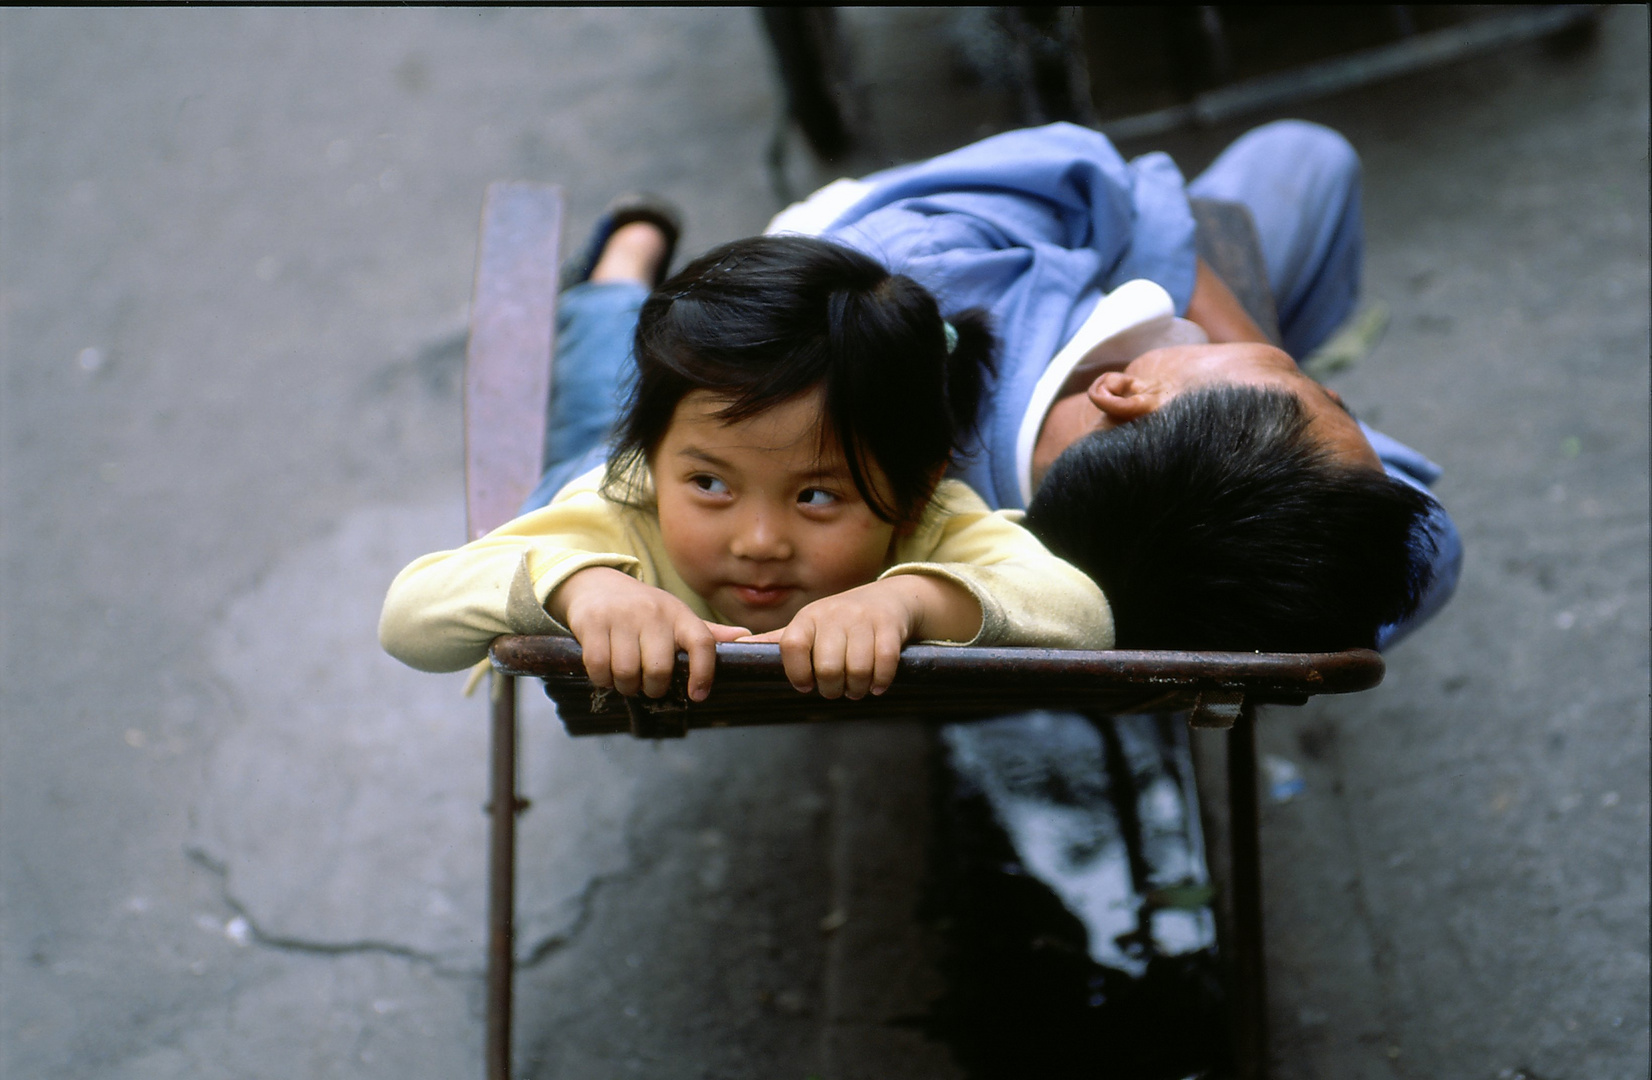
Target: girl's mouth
764,596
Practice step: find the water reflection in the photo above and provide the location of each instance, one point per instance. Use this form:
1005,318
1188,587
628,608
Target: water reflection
1073,886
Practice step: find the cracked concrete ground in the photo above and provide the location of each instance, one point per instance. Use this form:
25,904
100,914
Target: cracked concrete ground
237,841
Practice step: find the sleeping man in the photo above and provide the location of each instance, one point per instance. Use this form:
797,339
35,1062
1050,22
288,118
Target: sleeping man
1221,497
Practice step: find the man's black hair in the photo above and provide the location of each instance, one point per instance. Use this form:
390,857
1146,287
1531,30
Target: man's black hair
1218,522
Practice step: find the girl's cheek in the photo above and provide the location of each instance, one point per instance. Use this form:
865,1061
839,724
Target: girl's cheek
866,550
688,542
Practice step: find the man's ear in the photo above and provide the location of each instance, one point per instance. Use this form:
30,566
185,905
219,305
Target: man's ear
1122,397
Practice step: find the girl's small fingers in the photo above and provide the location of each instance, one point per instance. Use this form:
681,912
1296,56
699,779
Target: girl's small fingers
887,660
625,662
701,647
598,660
859,662
831,645
797,642
658,649
720,632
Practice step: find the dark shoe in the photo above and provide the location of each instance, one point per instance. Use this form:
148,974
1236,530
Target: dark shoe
624,210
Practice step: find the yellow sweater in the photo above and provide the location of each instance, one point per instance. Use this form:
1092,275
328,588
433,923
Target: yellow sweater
445,609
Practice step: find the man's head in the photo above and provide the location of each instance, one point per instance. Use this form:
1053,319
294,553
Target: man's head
1154,378
1232,514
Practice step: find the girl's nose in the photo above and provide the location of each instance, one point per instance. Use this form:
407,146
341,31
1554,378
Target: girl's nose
761,536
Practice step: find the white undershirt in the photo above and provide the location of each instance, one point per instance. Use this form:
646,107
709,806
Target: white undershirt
1132,319
814,215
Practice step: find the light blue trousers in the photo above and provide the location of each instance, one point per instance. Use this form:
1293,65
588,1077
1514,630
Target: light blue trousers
590,377
1301,183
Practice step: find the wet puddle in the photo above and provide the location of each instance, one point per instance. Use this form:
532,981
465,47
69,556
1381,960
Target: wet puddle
1070,888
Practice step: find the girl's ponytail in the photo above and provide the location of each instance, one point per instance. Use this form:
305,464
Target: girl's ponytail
968,363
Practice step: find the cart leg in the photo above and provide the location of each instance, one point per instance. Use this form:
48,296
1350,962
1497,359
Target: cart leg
1250,990
502,809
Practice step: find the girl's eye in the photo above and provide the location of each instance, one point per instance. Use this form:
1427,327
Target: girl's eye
816,497
709,484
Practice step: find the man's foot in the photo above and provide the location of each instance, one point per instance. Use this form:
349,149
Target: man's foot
634,252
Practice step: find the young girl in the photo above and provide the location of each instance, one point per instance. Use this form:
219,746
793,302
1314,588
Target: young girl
776,477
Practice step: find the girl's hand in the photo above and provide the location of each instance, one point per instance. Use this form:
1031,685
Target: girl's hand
850,643
630,633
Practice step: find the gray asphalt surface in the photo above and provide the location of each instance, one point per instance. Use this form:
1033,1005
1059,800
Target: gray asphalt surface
237,841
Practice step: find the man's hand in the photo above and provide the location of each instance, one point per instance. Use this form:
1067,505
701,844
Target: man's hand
1218,312
849,644
630,633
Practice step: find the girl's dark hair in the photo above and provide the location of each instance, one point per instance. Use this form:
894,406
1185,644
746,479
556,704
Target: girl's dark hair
763,320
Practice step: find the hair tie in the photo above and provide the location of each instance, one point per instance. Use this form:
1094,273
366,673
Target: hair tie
721,266
951,337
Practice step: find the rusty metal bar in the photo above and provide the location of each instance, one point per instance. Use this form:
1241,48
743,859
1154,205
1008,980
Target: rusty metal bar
1250,988
1024,670
751,687
502,809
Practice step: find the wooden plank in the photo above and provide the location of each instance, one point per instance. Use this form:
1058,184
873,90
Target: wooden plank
508,361
1225,237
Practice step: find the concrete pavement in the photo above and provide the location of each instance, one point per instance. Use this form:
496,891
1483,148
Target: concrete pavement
238,841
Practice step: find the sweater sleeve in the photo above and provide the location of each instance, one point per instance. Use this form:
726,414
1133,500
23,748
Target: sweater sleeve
1028,597
444,609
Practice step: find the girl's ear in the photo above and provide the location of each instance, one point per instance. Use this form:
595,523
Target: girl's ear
1123,397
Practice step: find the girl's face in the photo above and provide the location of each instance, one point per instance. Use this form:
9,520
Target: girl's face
755,518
